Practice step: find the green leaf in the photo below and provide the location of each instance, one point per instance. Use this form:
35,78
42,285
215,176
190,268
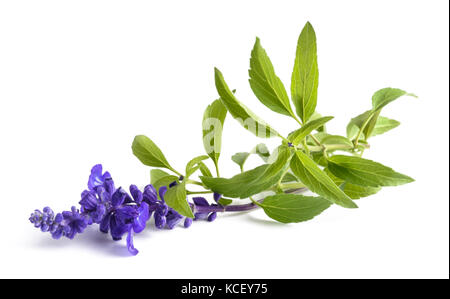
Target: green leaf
386,95
298,135
267,87
384,125
356,124
213,120
305,77
240,158
252,181
175,198
288,208
369,119
193,165
363,172
157,174
316,115
336,139
317,181
164,181
240,112
225,201
353,191
204,169
149,153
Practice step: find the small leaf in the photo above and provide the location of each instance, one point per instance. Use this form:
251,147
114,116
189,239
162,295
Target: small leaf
265,84
148,152
305,77
240,112
363,172
384,125
386,95
213,120
317,181
175,198
240,158
297,136
288,208
252,181
194,165
353,191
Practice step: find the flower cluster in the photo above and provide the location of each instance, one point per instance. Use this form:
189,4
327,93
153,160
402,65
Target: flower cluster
116,211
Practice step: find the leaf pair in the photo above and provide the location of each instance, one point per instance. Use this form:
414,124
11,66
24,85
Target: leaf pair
269,89
370,123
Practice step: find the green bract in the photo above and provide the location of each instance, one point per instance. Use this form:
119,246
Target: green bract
309,158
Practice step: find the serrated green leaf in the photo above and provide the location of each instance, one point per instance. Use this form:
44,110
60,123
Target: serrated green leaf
265,84
305,77
384,125
252,181
157,174
212,127
176,198
148,152
240,112
386,95
363,172
193,165
298,135
317,181
289,208
353,191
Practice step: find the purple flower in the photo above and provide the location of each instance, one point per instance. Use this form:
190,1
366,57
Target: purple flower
97,178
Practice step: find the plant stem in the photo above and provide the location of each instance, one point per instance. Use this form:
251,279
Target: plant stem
236,208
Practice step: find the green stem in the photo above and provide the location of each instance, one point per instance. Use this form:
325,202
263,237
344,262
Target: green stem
217,168
362,129
192,182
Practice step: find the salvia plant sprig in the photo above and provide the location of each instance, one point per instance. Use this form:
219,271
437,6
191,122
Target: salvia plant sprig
309,158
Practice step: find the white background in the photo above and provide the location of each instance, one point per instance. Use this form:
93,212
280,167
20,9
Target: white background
79,79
